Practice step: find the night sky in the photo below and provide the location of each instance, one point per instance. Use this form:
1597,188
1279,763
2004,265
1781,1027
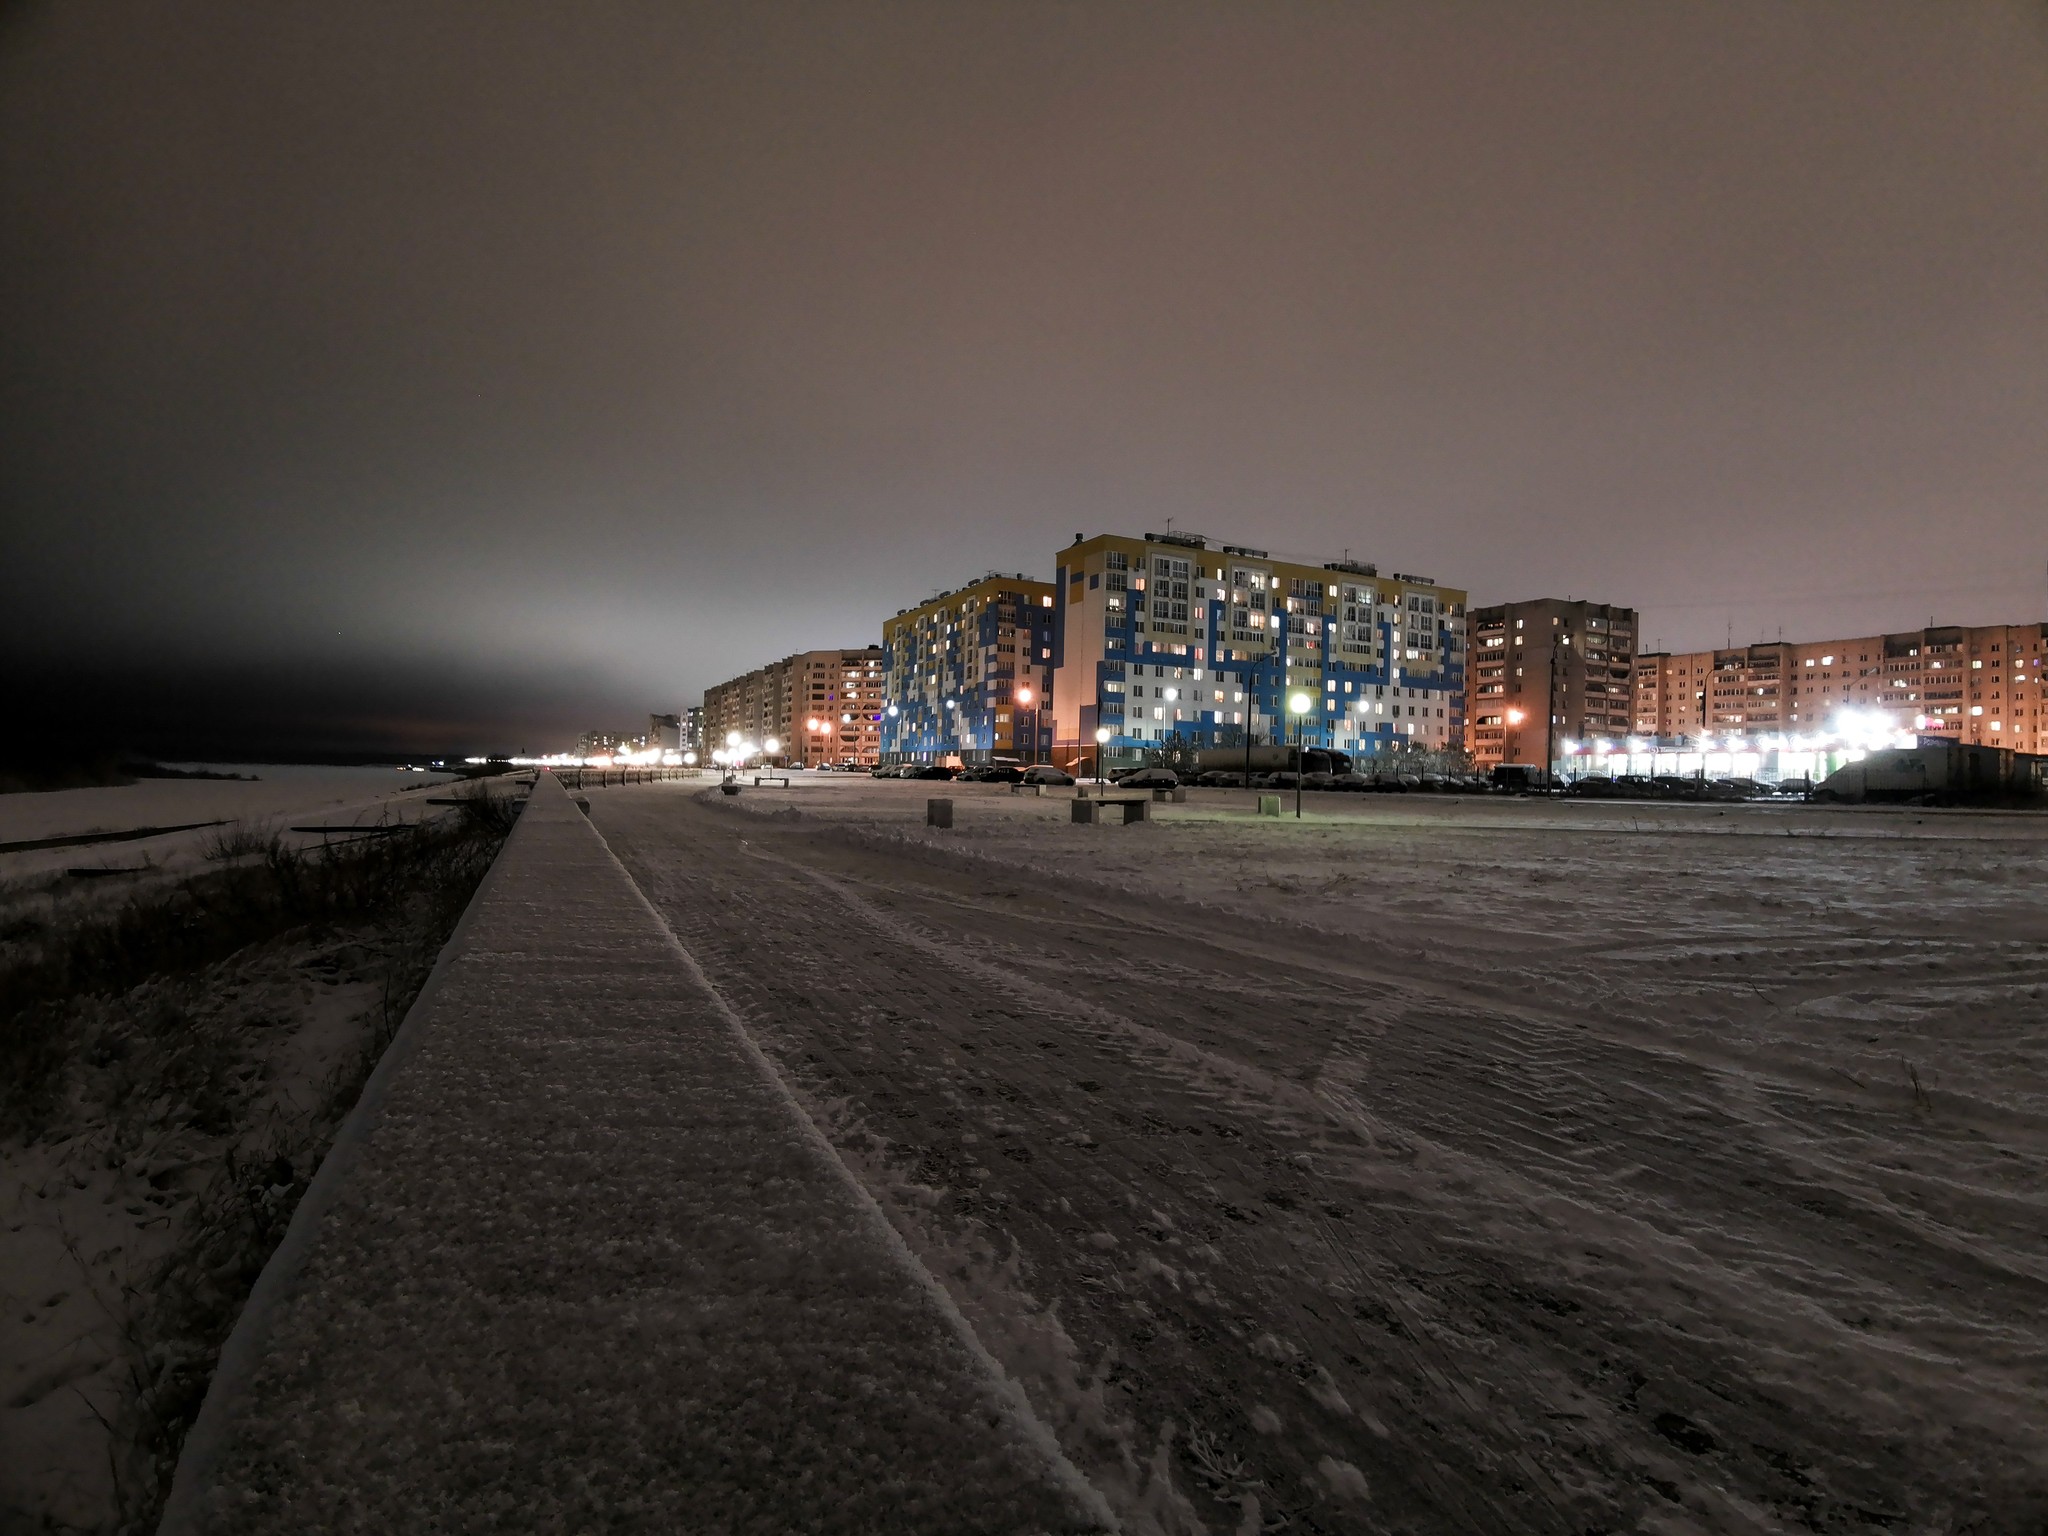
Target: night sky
438,375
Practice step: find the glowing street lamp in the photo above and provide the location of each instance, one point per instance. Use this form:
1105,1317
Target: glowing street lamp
1101,741
733,738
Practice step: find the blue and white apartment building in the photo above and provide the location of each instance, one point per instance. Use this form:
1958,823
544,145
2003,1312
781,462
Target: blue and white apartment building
1165,636
967,675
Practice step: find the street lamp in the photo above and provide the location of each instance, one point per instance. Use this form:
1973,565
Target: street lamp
1297,706
1101,740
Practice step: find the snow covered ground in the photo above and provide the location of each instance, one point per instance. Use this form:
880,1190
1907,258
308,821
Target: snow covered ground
1435,1164
280,796
581,1264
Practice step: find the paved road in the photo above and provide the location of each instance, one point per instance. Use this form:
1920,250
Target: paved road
1328,1241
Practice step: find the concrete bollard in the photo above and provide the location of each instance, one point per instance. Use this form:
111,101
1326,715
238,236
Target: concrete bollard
938,813
1269,805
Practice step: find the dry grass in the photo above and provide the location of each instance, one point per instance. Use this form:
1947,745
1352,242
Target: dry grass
120,1025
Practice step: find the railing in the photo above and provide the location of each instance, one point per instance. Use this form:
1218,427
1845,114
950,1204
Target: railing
606,778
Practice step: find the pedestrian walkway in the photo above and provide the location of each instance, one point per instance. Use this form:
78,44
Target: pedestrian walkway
579,1263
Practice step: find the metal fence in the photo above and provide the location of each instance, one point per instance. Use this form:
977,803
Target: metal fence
605,778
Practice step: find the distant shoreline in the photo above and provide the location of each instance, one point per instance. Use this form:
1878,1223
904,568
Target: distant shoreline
115,773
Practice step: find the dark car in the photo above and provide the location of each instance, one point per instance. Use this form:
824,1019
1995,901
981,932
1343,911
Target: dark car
1045,773
1149,778
936,771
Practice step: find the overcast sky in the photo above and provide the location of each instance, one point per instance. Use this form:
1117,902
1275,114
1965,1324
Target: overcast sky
470,374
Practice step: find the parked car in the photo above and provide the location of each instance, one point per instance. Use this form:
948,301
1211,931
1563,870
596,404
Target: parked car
883,771
1593,788
935,771
1520,778
1000,773
1044,773
1148,778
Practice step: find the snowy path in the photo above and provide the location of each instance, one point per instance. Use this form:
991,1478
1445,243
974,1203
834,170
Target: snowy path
581,1265
1547,1233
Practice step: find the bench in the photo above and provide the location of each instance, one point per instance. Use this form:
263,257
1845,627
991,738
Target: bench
771,778
1135,808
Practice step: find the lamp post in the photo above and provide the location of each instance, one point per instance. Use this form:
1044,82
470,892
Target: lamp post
1021,713
1297,706
1101,740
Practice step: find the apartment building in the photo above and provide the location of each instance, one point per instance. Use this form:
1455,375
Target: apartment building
835,709
1978,684
1972,683
967,674
1162,637
1545,672
816,706
1739,690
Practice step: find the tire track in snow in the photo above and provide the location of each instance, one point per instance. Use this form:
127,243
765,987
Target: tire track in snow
1501,1294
